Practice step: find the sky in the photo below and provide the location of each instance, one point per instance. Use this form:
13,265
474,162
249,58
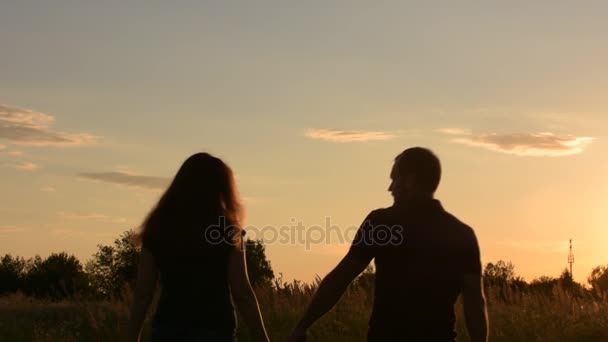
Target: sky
308,102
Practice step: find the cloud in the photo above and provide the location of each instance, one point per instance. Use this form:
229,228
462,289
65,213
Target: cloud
27,127
523,144
67,232
25,116
27,166
454,131
4,150
337,135
129,179
10,229
48,189
95,217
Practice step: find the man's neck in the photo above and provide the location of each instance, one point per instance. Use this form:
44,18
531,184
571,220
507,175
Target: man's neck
413,199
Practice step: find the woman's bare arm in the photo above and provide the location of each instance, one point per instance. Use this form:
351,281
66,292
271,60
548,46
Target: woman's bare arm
243,295
147,276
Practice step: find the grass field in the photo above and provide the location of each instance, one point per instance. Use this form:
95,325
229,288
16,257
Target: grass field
555,316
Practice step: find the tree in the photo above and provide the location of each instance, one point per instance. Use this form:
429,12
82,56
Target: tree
500,273
12,271
544,285
58,276
258,267
565,280
113,267
599,279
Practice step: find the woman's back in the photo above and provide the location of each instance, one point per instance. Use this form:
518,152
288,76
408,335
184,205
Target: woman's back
194,291
194,288
190,244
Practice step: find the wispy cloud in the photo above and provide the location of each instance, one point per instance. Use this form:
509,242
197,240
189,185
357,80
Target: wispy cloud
522,144
4,150
95,217
337,135
28,127
63,232
129,179
10,229
454,131
27,166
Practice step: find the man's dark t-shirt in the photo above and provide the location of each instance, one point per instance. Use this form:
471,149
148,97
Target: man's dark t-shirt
421,254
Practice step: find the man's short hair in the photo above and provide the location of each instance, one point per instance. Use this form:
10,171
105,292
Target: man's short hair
423,164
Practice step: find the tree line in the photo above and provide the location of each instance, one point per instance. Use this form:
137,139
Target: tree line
501,276
112,270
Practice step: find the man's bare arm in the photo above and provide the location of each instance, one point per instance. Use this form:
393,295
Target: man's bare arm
329,292
475,308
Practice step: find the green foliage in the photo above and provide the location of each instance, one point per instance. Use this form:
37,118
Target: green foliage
546,309
499,273
58,276
258,267
12,271
598,279
113,267
543,284
546,285
567,283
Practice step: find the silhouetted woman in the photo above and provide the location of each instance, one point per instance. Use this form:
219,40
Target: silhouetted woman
192,242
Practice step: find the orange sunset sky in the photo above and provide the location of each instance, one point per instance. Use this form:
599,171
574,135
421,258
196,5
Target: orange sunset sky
309,102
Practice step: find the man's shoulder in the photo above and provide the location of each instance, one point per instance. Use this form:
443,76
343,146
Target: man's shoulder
380,214
459,225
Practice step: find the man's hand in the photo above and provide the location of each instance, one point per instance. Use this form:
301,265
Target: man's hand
298,335
329,292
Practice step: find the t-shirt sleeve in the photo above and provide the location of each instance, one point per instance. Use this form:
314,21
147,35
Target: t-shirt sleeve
471,259
363,244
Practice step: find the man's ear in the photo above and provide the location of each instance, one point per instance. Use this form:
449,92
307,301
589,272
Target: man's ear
409,181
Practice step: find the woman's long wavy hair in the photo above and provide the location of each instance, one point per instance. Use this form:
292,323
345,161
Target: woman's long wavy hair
202,192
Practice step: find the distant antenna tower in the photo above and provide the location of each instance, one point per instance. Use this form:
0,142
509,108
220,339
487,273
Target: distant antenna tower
571,258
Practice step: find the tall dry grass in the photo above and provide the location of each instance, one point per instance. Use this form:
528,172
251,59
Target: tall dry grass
514,316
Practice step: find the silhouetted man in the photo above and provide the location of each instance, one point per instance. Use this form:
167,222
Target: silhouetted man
424,256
